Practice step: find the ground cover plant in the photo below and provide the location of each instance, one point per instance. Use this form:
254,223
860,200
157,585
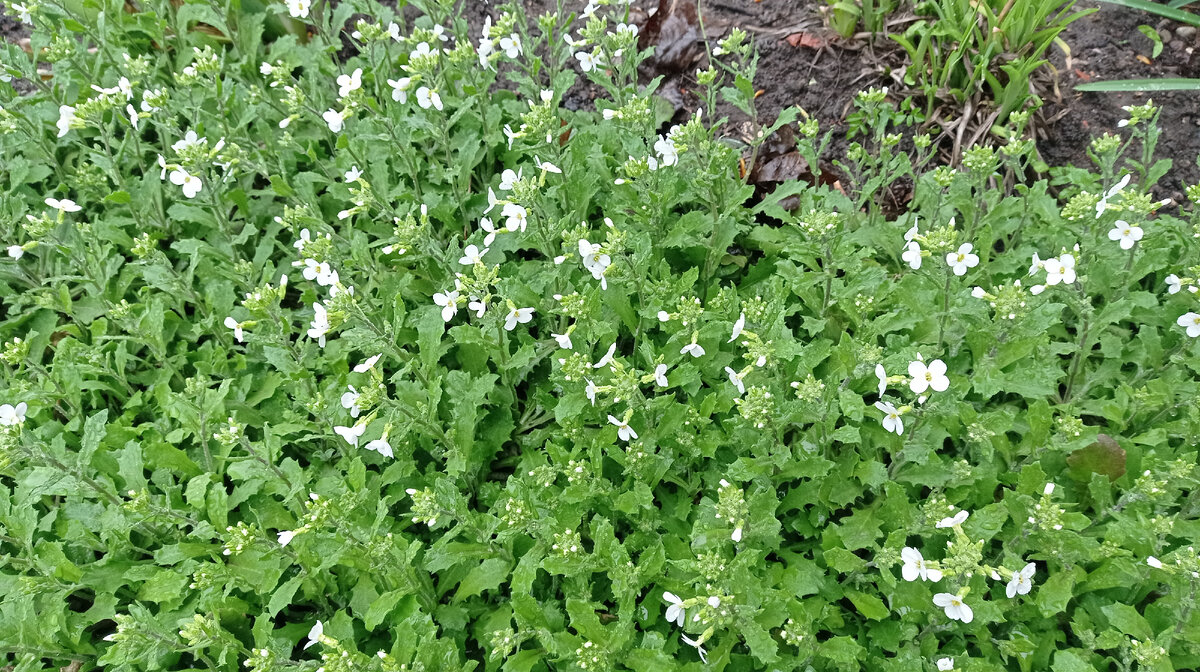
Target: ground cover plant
372,356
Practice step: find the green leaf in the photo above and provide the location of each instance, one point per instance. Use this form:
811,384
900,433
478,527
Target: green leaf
1069,661
284,594
488,575
1160,9
869,606
1127,619
93,434
1154,38
1143,85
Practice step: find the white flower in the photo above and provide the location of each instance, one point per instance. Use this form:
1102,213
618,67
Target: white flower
956,609
16,251
517,315
478,305
1154,562
663,316
1102,204
961,260
367,364
925,377
66,205
882,376
285,538
623,429
422,51
236,327
189,140
737,537
737,328
1128,235
516,217
22,13
912,255
400,88
350,401
546,166
675,612
1191,322
588,60
488,228
563,340
320,324
322,272
915,566
298,8
590,391
350,434
335,119
1020,583
348,83
694,349
736,379
1036,265
1059,270
66,117
891,417
957,519
509,178
660,375
980,292
318,629
472,255
190,184
699,648
945,664
380,446
511,45
427,98
607,358
133,116
595,262
13,415
667,151
1174,284
448,302
353,174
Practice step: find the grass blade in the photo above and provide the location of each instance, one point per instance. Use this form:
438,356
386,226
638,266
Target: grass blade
1165,84
1159,9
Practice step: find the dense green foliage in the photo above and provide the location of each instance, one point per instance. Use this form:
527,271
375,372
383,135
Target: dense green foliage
552,390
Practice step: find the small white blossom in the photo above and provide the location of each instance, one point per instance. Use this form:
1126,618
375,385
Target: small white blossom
957,519
563,340
427,98
694,349
351,434
400,88
607,358
891,417
1174,284
660,375
517,315
336,120
737,328
624,431
1021,583
350,401
956,609
1102,204
675,611
945,664
912,255
1059,270
736,379
320,324
348,83
916,567
925,377
285,538
472,255
190,184
1191,322
13,415
1127,234
317,630
66,204
380,446
66,117
511,45
882,376
448,302
236,326
367,364
699,648
963,259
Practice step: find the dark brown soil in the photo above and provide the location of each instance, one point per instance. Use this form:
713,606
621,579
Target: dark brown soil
1107,46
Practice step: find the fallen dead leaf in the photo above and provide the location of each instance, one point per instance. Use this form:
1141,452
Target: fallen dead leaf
674,31
808,40
1143,59
1083,75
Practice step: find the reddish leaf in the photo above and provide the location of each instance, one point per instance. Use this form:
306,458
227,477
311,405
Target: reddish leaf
1104,456
806,40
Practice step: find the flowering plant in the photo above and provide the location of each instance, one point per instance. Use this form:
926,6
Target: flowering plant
375,356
